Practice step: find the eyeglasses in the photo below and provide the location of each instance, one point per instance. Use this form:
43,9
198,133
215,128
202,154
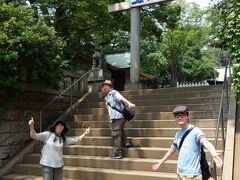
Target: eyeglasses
178,115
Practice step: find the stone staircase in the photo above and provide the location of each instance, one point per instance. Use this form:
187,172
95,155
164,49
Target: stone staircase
151,133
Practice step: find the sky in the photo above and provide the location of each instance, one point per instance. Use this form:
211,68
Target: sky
202,3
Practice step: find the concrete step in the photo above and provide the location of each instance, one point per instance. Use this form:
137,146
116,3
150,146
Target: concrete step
27,177
98,173
149,115
131,164
105,173
30,177
160,95
151,108
107,162
106,151
163,93
156,101
139,132
166,90
137,141
21,177
144,123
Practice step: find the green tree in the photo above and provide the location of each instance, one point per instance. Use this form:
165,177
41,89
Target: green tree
183,48
86,24
155,20
83,24
27,42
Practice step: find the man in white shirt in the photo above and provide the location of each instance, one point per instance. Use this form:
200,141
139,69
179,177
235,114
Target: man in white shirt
114,99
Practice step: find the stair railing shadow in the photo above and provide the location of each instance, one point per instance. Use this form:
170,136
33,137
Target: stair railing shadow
137,147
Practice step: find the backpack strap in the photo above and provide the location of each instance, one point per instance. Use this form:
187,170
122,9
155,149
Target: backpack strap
118,110
185,134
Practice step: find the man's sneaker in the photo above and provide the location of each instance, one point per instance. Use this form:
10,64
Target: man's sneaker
127,145
117,156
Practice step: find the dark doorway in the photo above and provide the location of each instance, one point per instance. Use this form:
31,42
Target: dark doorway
118,79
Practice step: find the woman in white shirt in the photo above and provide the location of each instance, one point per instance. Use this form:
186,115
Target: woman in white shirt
52,151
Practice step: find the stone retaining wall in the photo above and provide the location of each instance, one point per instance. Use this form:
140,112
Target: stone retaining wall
14,130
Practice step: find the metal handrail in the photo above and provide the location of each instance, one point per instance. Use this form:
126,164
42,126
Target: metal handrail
220,119
56,98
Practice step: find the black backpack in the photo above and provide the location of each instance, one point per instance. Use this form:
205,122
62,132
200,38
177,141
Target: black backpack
127,113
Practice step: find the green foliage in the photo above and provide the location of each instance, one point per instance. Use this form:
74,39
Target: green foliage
83,24
216,25
27,42
231,11
197,70
227,34
156,17
155,20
